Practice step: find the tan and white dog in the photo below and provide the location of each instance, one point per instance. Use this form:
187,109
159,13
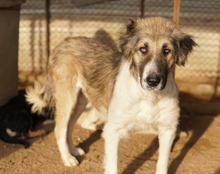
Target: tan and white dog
134,88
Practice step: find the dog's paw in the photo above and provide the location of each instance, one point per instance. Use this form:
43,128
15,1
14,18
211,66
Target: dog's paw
42,132
77,151
71,161
32,134
161,173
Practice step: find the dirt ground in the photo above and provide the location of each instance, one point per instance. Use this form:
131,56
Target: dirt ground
198,153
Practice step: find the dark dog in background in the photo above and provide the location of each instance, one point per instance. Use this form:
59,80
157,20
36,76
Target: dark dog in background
17,122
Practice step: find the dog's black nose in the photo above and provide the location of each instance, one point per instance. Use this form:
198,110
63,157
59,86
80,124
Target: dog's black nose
153,80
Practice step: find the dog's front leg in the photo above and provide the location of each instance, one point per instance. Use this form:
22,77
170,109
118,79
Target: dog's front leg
166,137
112,137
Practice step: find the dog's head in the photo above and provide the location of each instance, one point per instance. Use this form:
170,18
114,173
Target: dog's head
153,46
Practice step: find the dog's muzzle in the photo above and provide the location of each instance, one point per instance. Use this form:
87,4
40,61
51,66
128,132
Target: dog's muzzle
153,80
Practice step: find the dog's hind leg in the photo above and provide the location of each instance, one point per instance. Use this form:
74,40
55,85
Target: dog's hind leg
79,108
65,98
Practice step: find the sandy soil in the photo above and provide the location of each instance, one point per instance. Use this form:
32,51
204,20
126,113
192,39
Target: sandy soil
198,153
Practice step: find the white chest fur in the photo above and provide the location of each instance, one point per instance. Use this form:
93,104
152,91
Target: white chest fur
139,109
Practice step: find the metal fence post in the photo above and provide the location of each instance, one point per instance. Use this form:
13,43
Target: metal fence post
47,16
142,8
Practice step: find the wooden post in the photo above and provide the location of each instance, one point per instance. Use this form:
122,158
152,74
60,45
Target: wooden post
176,12
176,17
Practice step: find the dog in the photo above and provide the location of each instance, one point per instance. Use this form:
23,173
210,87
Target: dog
133,89
17,121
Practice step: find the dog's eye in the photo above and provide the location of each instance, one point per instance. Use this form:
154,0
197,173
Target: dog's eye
143,49
166,51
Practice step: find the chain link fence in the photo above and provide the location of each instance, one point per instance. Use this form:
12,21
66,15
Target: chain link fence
102,19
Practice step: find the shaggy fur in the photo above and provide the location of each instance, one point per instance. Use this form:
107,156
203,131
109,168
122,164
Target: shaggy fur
134,89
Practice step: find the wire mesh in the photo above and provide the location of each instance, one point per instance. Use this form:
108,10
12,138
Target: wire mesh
103,20
202,20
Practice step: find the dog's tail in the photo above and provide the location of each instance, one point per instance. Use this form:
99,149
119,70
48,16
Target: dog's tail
40,97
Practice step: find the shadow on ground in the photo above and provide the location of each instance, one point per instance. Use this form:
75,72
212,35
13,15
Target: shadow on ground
191,110
196,117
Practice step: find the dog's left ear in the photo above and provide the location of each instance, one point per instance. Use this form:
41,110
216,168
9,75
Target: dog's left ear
130,26
185,45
